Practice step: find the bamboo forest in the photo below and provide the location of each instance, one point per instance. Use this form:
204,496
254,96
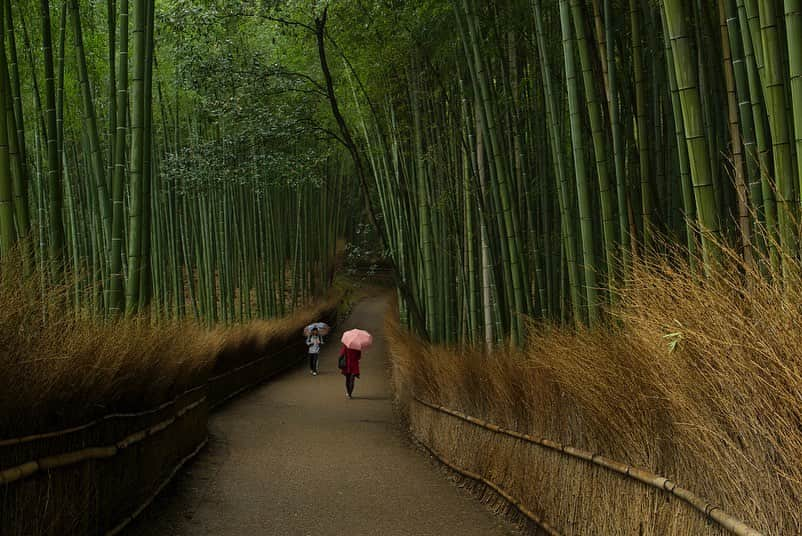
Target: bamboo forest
553,246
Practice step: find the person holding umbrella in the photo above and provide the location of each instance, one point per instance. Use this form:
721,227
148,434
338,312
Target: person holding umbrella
323,329
314,341
314,334
354,341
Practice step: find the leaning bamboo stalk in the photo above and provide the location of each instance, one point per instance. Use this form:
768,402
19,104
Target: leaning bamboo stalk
747,120
725,520
753,57
744,223
103,201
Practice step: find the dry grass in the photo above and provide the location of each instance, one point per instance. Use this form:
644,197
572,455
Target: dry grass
68,370
720,413
242,344
60,369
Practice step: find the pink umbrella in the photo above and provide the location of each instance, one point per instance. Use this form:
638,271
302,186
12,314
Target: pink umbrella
357,339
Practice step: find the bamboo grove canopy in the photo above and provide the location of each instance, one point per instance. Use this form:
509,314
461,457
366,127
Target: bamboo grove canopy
514,156
523,151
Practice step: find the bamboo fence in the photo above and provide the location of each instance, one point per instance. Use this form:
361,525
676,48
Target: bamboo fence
517,503
271,362
701,505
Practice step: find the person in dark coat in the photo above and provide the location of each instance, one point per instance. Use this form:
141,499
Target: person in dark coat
350,367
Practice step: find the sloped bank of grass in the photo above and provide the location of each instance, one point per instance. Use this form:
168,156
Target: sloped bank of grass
697,379
60,371
96,417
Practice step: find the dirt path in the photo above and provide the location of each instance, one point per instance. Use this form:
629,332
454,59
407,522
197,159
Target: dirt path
295,457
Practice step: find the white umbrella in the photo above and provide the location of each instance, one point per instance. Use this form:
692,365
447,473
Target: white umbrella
322,328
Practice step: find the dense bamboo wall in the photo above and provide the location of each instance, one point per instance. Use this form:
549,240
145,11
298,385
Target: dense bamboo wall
525,151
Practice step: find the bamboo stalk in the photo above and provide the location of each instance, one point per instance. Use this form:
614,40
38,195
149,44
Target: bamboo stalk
695,136
7,232
582,186
735,139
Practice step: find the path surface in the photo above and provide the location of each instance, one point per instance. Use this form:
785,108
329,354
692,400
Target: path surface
295,457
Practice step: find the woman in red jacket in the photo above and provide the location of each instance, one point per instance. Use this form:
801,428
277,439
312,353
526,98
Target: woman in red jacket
349,361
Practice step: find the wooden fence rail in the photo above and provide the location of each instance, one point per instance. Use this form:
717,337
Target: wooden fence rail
711,511
105,472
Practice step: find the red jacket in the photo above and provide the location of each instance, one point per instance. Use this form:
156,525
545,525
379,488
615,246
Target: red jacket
352,358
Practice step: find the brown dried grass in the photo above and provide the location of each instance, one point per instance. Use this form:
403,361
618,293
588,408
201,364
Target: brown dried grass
720,413
65,369
244,343
61,369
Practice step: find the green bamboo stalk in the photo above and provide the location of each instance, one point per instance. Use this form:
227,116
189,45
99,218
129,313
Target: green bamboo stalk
735,139
774,88
19,177
793,25
487,288
613,107
54,202
582,186
15,80
562,183
60,68
753,68
642,130
111,31
470,241
138,139
90,120
148,164
115,298
698,153
7,232
688,203
599,136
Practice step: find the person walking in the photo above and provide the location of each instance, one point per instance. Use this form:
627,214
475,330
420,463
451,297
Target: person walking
349,366
314,342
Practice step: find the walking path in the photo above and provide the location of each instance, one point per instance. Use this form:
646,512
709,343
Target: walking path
295,457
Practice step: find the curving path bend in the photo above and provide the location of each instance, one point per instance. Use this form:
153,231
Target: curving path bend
295,457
